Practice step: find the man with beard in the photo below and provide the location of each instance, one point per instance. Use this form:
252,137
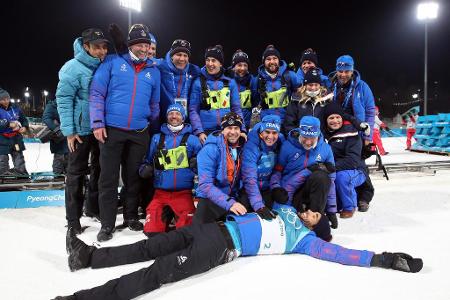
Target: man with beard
72,99
213,95
219,172
275,83
124,102
246,83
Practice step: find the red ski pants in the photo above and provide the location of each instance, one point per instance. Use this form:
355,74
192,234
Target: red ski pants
409,134
377,141
180,202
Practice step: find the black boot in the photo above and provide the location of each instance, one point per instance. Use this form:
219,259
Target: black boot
79,253
134,225
397,261
105,234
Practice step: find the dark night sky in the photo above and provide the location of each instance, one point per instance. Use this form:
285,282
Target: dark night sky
384,37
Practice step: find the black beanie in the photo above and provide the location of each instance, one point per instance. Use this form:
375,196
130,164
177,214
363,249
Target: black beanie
180,46
138,33
310,55
231,119
312,76
238,57
270,50
322,229
215,52
331,109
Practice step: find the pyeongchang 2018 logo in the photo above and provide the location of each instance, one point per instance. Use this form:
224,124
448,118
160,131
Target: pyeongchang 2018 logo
49,198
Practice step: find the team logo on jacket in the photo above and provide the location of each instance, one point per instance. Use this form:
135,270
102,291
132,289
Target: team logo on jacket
123,68
148,75
318,158
296,156
181,259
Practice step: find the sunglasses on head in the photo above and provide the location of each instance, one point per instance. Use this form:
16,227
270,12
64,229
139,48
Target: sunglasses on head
343,64
183,43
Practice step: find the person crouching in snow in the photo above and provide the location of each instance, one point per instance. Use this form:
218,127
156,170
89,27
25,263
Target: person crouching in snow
171,160
259,157
196,249
305,172
346,145
219,172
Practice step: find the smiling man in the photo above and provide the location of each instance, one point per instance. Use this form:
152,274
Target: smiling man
259,158
196,249
124,103
213,95
219,172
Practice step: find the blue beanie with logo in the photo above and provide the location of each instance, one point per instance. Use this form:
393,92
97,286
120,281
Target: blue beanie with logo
345,63
272,122
177,107
309,127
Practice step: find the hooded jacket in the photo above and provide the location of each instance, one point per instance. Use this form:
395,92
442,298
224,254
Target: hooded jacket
72,93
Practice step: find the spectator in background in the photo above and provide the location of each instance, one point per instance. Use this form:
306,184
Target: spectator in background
309,61
60,151
376,132
411,123
13,124
72,98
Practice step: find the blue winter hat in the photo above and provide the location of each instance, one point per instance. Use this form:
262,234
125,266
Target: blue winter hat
309,127
272,122
179,108
345,63
4,94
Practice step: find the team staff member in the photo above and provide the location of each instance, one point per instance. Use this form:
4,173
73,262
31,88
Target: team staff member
124,103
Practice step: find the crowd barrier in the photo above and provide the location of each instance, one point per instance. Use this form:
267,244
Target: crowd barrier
433,133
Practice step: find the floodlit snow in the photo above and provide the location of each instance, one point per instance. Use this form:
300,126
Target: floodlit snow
409,213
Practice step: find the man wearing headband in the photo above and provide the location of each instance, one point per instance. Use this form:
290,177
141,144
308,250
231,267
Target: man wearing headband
219,172
196,249
259,157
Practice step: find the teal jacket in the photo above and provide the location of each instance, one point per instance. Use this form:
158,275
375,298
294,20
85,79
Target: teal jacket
72,93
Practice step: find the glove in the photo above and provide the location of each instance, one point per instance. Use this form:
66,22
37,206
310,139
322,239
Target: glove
368,151
387,128
193,164
118,39
146,170
322,167
397,261
265,213
365,128
280,195
167,214
333,220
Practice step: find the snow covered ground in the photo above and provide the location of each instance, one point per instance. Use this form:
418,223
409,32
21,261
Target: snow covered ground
409,213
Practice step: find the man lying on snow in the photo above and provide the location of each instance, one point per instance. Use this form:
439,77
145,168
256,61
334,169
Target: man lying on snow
195,249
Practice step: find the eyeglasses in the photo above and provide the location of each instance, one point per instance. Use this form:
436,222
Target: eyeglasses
183,43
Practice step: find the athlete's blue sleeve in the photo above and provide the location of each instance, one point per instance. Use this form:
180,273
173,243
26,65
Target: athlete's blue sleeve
313,246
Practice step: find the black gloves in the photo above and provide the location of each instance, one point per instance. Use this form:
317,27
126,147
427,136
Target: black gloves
387,128
368,151
167,214
193,164
333,220
265,213
397,261
146,170
118,39
326,167
280,195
